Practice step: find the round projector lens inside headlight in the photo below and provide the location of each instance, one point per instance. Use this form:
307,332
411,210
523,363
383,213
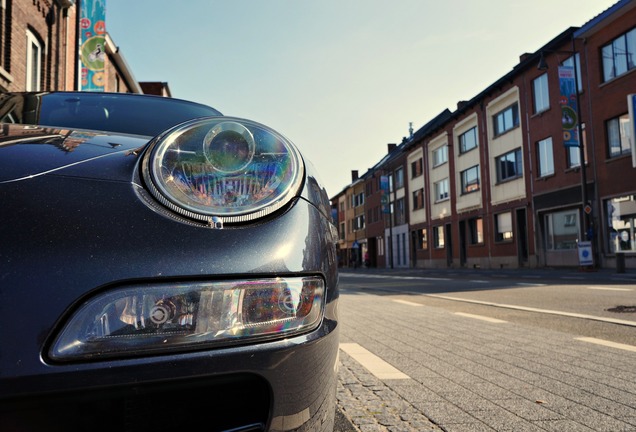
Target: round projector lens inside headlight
229,147
223,169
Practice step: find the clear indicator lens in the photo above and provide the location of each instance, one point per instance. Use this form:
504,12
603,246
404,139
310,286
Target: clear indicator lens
163,317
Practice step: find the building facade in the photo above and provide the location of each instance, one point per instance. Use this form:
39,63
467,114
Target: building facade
39,49
539,169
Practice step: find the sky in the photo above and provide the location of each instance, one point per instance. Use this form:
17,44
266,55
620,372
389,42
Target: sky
341,79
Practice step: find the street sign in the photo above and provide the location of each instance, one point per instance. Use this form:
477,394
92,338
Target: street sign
585,253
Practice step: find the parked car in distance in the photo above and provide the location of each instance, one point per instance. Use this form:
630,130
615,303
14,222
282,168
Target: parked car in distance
163,267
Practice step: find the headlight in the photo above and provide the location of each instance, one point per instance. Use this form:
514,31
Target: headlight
222,167
164,317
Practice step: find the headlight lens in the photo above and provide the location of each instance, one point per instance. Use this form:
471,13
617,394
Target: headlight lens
224,167
154,318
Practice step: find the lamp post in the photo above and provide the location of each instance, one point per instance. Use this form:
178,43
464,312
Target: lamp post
585,229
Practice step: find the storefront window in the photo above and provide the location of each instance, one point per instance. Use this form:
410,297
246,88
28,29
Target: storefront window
562,230
421,239
438,237
503,227
621,218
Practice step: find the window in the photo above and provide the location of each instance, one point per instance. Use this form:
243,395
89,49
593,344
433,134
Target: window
400,212
545,157
421,239
399,178
618,55
561,230
358,222
506,119
618,136
470,180
509,166
503,227
5,34
358,199
541,94
418,199
440,155
33,62
441,190
438,237
574,159
468,140
570,62
621,217
342,231
476,228
416,168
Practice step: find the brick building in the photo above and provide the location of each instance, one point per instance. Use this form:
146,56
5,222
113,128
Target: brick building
39,49
539,169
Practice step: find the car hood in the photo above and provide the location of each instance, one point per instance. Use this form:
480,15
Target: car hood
28,151
31,151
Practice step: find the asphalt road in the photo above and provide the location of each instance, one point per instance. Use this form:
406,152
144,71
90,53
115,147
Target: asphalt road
502,351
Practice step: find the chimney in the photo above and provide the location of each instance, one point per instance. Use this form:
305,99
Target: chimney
524,56
461,104
354,175
392,147
410,130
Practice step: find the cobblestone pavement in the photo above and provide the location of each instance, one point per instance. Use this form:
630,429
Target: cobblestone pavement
372,406
469,377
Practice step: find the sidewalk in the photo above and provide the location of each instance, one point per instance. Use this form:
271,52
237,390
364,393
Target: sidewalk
372,406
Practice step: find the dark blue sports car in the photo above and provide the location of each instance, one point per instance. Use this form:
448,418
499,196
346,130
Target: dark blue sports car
162,267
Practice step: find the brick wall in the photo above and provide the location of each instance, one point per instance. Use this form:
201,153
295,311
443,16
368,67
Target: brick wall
55,30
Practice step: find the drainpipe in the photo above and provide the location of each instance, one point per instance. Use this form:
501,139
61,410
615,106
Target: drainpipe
122,67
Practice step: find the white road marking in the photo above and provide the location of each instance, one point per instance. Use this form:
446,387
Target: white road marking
531,309
608,343
480,317
609,289
406,302
377,276
374,364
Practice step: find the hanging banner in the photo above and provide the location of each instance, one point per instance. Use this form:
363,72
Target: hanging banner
92,44
384,197
567,101
631,107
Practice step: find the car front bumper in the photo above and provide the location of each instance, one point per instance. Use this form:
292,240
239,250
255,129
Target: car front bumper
70,238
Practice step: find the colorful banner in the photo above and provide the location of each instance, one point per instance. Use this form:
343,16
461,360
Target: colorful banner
92,44
569,111
631,108
384,198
